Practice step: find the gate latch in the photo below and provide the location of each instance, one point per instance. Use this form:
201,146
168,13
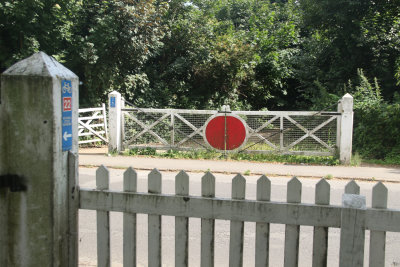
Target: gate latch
14,182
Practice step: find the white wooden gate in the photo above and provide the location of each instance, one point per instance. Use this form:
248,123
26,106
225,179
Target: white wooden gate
92,125
353,219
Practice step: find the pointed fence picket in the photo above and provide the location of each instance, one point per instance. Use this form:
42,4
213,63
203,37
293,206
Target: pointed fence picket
320,238
103,221
207,225
262,229
129,221
292,232
352,217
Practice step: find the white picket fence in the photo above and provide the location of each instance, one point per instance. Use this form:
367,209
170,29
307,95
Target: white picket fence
353,219
92,125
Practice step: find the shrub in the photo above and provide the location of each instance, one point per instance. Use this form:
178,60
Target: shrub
376,123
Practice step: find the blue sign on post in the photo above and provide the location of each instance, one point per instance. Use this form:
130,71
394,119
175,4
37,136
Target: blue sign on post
112,102
66,96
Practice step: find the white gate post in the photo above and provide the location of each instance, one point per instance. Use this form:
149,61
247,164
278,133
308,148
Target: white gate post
38,128
114,121
346,129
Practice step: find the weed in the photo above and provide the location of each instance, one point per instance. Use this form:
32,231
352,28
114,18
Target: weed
328,176
356,160
247,172
212,155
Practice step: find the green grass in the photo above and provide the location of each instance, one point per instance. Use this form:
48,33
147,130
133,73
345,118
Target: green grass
213,155
391,160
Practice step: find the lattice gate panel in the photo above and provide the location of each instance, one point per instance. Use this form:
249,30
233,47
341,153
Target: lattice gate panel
264,132
149,128
305,133
188,129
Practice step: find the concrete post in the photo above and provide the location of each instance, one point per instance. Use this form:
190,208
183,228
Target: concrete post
114,121
346,129
38,126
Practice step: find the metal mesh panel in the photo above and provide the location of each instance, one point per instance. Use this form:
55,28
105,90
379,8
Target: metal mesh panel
262,136
272,131
294,133
187,136
158,130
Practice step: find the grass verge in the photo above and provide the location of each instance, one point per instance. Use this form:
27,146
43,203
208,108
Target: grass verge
213,155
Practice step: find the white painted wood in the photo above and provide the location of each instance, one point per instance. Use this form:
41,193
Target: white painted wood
237,227
103,110
207,225
352,188
346,128
292,232
89,134
262,229
320,238
338,126
129,221
103,222
114,122
154,223
90,141
73,209
181,223
377,243
95,116
222,209
352,233
83,110
90,129
212,112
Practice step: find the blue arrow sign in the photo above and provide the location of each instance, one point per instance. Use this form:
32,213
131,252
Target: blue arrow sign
66,98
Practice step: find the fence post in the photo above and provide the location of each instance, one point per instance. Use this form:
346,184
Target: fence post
352,231
39,114
346,128
114,121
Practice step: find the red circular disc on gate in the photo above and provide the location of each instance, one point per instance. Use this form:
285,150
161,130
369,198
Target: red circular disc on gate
225,132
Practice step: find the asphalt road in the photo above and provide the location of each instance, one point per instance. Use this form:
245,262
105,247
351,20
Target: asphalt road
96,157
87,223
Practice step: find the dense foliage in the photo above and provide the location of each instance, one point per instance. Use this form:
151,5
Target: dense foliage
250,54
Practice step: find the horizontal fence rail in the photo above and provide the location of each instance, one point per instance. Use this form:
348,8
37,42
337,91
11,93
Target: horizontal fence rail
353,218
92,126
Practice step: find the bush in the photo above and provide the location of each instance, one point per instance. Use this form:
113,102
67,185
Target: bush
376,123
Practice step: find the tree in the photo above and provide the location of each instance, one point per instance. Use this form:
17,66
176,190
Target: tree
341,36
32,25
111,42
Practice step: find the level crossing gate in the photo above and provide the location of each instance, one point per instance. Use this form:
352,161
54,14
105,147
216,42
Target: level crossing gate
322,133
